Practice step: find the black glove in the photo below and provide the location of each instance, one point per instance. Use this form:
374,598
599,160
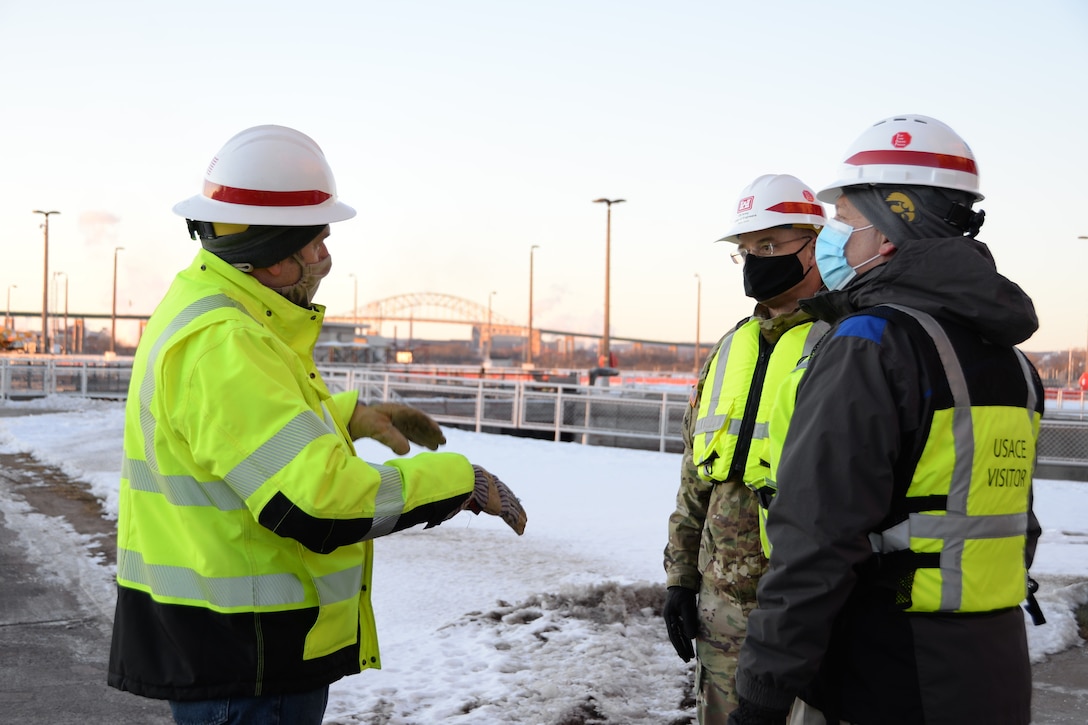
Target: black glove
681,620
749,713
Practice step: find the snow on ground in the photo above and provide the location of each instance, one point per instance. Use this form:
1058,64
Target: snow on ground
478,625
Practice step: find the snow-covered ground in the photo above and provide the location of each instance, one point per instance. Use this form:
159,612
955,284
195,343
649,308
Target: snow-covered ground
478,625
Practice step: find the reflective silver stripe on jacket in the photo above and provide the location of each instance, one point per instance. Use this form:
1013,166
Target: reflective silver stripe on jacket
184,583
388,502
180,490
275,453
264,590
1033,400
710,424
955,527
815,333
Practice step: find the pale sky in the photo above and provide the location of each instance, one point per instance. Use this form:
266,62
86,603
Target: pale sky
466,132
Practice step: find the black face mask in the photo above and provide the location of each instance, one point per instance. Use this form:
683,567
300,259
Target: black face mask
767,277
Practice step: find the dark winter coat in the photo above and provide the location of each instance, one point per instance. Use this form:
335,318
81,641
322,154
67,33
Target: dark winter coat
822,629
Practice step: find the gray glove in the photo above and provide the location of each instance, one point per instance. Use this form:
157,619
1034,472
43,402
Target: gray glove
393,425
492,496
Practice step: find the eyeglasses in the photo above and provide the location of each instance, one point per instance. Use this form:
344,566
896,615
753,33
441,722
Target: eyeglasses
765,249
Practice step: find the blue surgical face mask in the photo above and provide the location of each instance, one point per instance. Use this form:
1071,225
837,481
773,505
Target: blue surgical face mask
831,254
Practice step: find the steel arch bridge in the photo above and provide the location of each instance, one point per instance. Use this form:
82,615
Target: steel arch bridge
432,307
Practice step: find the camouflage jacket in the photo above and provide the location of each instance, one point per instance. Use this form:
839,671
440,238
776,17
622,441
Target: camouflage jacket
714,531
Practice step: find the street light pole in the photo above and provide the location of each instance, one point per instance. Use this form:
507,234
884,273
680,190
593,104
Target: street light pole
355,305
488,357
113,325
64,344
698,317
529,339
8,322
66,350
1082,236
45,281
607,358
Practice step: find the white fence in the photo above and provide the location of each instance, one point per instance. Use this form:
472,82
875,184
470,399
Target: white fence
561,408
637,410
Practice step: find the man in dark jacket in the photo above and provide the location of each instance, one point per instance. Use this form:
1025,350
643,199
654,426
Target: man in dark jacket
902,530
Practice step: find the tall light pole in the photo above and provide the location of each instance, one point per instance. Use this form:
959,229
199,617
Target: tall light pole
1086,338
8,322
64,344
698,316
529,339
607,358
355,305
45,281
66,314
489,297
113,324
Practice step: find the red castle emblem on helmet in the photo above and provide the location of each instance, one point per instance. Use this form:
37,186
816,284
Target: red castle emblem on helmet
901,140
808,195
745,204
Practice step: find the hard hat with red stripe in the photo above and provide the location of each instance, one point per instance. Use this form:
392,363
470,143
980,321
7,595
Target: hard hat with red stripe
268,175
907,150
775,200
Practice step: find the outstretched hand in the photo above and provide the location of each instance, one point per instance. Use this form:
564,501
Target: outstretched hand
492,496
394,425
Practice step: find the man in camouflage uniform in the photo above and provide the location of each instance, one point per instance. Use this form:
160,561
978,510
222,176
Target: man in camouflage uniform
713,560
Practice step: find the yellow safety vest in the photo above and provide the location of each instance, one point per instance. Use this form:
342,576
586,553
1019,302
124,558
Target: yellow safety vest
738,397
968,555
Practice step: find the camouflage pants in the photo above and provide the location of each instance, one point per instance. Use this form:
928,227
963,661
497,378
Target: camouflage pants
722,626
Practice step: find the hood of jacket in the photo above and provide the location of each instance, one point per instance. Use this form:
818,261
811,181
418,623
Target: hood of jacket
954,279
298,327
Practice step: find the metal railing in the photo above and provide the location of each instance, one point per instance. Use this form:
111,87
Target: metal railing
629,413
32,376
618,415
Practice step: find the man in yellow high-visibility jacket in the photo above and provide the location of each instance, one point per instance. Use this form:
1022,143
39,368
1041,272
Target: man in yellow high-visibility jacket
246,519
713,559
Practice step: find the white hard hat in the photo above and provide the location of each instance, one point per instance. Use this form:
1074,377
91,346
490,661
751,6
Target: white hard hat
908,150
268,175
775,200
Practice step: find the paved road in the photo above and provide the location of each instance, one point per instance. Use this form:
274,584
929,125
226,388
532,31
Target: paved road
54,647
54,650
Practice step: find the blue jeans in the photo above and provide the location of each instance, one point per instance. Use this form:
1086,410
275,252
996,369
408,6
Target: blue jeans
302,708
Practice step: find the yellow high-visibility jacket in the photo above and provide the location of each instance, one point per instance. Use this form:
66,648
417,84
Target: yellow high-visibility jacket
244,547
